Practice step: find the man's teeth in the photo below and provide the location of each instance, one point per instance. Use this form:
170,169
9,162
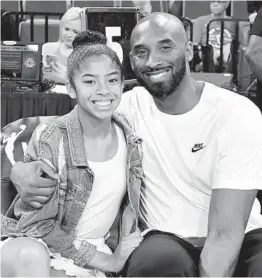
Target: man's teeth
102,103
157,75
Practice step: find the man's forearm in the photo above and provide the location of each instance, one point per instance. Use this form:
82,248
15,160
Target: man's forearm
220,255
102,262
255,63
254,58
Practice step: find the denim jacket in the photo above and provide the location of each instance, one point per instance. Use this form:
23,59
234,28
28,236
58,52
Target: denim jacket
60,144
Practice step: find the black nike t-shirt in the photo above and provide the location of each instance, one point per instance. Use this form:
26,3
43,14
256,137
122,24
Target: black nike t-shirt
257,30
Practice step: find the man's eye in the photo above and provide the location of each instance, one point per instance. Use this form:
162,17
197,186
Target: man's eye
113,80
91,82
141,53
67,29
76,32
165,47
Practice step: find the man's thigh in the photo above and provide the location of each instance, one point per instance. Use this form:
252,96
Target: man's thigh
250,258
162,254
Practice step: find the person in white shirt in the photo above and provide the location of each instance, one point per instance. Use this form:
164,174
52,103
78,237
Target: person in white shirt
55,54
202,153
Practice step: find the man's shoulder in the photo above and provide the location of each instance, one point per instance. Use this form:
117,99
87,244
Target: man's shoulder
234,106
134,102
138,94
204,19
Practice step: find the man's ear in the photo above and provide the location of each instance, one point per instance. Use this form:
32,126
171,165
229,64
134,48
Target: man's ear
131,60
189,53
71,91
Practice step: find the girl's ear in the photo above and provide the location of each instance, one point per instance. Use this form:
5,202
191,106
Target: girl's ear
71,91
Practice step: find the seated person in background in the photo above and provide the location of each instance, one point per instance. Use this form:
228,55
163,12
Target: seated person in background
252,9
218,10
144,7
254,55
175,7
55,54
94,167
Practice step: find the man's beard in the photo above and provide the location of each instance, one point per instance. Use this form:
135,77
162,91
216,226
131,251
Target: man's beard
163,89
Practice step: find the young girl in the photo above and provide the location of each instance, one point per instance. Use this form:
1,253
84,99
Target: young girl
55,54
97,159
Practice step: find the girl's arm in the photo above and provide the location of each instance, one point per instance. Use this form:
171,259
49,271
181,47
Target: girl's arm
45,223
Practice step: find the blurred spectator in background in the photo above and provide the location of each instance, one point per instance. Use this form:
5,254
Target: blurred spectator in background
175,7
252,9
144,7
218,10
55,54
254,54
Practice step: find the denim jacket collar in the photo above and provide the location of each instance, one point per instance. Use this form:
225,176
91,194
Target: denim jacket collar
76,142
75,137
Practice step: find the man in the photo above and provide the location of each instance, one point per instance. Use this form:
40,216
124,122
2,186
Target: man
254,54
144,7
252,9
218,10
201,161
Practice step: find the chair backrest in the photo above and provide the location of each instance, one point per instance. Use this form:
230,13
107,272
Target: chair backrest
9,31
34,26
244,71
39,29
45,6
14,140
94,3
244,27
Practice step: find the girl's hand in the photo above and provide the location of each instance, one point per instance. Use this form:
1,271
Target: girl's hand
59,71
47,68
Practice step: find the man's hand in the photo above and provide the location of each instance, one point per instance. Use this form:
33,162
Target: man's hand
124,249
33,189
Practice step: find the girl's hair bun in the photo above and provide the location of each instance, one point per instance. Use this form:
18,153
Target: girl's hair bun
89,37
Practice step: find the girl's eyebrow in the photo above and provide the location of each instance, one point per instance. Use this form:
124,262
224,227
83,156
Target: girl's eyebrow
94,75
113,73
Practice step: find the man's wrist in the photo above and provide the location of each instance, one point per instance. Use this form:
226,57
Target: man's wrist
111,264
104,262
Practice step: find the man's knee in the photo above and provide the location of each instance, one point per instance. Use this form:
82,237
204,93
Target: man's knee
159,255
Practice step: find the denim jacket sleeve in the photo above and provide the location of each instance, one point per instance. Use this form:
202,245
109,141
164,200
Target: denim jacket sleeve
46,223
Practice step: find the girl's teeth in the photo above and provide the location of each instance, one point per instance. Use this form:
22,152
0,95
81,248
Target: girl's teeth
102,103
